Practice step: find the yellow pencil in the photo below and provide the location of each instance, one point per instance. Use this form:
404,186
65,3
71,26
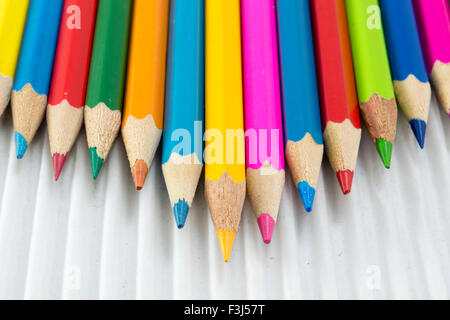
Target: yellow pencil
13,14
225,147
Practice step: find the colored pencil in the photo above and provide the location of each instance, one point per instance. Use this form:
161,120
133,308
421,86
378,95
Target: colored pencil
182,162
13,14
339,102
411,85
263,120
373,76
144,102
34,70
70,74
106,79
303,130
433,20
224,169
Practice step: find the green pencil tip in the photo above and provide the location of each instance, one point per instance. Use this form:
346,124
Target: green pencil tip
96,162
384,148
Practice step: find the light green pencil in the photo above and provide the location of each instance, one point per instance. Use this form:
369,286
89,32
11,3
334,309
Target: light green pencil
373,75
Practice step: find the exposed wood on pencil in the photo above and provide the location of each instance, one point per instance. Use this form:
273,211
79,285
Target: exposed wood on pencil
225,201
265,187
343,152
5,92
141,138
413,97
102,126
380,116
305,159
440,78
182,174
28,111
64,123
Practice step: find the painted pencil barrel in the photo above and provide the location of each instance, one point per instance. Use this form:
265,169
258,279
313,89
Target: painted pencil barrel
104,95
263,121
302,126
13,14
433,20
34,69
182,158
69,80
339,101
373,76
224,137
409,74
144,103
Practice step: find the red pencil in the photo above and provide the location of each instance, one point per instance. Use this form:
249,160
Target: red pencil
339,103
70,76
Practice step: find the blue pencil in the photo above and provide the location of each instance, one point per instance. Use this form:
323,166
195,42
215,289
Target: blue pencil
34,70
411,84
182,160
303,129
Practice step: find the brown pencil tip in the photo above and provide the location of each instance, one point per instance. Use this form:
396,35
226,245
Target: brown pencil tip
139,171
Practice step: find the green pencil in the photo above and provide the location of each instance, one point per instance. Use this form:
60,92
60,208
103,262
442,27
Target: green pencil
105,90
373,75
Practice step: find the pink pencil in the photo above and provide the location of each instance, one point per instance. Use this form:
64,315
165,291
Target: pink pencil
264,131
433,19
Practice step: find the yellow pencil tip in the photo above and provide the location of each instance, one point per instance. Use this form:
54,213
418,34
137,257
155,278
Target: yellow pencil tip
226,239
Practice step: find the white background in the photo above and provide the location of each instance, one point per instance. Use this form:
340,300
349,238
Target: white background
83,239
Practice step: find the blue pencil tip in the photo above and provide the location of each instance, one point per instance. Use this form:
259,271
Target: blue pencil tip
180,211
21,145
419,127
307,193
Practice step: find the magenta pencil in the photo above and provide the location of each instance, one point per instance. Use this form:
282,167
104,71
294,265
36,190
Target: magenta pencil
263,122
433,20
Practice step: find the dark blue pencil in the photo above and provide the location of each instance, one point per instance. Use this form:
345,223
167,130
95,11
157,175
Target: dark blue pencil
411,84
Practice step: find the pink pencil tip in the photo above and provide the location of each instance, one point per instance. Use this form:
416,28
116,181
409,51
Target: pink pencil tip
266,225
58,164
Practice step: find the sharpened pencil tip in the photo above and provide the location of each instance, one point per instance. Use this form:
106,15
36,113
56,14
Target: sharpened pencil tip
96,162
139,172
384,148
226,240
180,211
345,179
307,193
21,145
266,225
419,127
58,164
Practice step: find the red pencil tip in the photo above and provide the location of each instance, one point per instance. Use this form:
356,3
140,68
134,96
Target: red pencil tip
266,225
58,164
345,179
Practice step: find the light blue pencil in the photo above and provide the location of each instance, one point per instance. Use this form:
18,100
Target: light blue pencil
302,124
182,160
34,70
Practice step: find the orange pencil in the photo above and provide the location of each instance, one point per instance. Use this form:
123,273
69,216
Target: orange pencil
144,103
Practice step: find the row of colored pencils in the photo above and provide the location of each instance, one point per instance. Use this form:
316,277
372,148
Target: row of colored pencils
291,73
